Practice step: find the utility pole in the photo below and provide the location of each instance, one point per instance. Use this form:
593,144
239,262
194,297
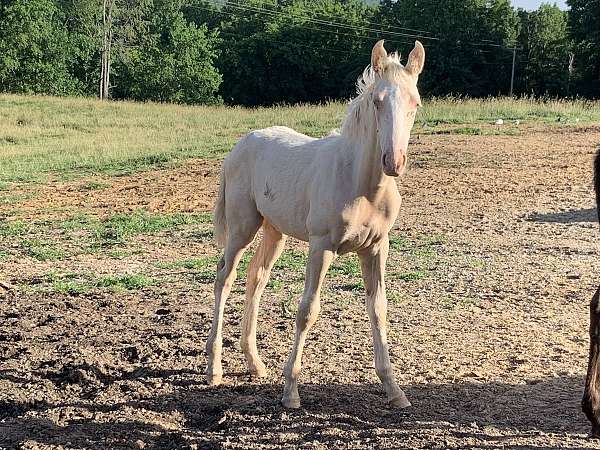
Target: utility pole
512,76
107,10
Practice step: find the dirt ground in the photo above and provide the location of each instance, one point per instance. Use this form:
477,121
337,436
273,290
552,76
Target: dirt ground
488,313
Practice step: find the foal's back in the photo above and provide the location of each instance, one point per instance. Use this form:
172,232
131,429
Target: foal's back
282,169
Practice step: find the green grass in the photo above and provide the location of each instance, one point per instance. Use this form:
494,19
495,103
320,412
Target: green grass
42,137
77,136
119,227
347,265
422,246
124,282
205,268
194,263
13,228
11,199
73,283
456,110
42,250
92,186
461,130
88,234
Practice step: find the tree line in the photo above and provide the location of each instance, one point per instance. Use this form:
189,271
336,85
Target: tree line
261,52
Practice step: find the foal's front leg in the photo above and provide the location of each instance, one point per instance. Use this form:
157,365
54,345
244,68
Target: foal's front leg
372,263
319,259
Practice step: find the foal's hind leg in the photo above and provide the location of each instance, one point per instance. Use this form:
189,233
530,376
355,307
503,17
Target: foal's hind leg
239,234
259,271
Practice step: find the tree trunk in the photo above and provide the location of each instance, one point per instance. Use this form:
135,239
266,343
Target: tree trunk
590,403
106,48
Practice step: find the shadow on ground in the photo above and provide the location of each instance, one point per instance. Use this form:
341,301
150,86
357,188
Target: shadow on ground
332,415
569,216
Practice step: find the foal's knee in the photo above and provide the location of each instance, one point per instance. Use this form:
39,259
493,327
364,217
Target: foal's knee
225,277
308,311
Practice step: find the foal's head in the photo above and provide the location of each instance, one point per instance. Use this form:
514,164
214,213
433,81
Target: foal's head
396,99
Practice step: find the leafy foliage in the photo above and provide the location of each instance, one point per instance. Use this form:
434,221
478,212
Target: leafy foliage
173,61
261,52
584,23
458,59
34,49
547,47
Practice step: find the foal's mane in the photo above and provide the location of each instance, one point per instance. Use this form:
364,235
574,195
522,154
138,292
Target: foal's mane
358,114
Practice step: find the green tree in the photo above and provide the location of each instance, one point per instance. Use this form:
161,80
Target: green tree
467,42
81,19
171,62
584,23
35,49
547,49
292,51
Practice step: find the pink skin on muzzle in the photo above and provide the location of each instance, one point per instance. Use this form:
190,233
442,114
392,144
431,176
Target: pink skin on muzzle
394,167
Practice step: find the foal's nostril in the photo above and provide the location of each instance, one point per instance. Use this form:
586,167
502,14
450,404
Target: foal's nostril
384,160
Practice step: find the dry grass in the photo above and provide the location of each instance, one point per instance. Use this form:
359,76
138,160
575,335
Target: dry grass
41,137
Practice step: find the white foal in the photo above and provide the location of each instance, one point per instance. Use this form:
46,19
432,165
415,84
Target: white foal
338,193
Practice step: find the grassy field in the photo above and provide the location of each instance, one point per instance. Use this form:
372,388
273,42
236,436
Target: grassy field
45,137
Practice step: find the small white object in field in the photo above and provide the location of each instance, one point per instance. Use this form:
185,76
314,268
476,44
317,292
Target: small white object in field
499,122
576,120
517,122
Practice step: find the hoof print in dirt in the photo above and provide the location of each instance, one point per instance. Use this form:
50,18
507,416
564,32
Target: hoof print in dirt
131,354
163,312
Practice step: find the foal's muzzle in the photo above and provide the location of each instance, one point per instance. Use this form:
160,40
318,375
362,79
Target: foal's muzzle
391,167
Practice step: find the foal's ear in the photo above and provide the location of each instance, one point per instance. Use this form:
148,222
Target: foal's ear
378,57
416,60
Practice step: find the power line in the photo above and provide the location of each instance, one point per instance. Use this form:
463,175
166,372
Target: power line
326,49
236,5
366,21
335,32
378,32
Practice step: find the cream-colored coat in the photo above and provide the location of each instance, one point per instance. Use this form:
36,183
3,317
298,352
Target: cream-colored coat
338,193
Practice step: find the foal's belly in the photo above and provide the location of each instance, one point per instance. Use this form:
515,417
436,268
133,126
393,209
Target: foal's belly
285,218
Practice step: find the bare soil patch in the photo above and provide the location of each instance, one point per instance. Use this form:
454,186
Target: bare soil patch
494,263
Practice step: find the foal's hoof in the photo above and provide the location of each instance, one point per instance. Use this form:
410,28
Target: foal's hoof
291,402
400,401
214,379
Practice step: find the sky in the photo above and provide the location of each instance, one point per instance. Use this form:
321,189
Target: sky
534,4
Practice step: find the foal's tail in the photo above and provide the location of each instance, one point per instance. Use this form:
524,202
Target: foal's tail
219,220
597,180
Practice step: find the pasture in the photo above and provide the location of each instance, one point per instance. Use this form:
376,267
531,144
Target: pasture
106,239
